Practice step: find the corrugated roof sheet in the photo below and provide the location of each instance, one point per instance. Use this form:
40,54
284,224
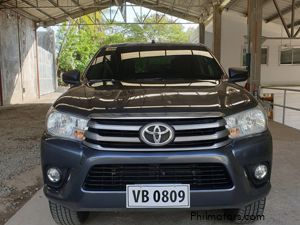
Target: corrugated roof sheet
51,12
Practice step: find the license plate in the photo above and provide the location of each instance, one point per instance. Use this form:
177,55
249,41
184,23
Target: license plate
158,196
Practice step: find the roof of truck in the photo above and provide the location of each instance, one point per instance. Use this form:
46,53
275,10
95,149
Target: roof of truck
154,46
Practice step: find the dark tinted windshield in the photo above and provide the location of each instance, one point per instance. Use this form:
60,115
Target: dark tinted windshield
155,64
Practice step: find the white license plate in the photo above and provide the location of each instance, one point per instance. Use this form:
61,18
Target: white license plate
158,196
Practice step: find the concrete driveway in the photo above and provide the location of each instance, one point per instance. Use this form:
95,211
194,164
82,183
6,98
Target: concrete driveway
283,203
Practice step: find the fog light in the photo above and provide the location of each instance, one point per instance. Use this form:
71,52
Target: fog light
54,175
260,172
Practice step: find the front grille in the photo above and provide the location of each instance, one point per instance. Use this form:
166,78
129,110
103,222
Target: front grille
124,134
204,176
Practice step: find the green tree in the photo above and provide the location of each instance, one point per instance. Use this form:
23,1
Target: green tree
163,32
77,43
79,40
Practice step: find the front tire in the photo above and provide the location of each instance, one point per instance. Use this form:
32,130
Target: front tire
251,212
65,216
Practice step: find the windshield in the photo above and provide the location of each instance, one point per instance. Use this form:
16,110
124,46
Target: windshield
191,64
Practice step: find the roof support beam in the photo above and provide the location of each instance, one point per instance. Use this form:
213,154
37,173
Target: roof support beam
283,12
232,3
4,1
280,38
296,23
181,10
177,11
21,12
293,18
282,19
201,33
41,11
84,11
254,43
57,6
77,4
73,15
296,34
173,5
27,15
217,17
108,3
189,7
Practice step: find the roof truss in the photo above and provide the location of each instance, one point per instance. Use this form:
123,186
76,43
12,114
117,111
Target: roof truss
42,11
284,11
52,12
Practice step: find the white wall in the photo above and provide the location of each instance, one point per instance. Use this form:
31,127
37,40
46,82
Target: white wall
18,66
232,39
18,59
208,38
46,61
276,74
234,29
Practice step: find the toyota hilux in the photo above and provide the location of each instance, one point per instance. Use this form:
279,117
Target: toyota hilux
155,126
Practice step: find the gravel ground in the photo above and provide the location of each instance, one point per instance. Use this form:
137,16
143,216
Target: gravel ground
20,133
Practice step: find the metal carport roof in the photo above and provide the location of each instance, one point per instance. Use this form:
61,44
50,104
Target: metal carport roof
55,11
51,12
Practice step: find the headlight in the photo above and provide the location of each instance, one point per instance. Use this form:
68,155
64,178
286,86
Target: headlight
248,122
65,125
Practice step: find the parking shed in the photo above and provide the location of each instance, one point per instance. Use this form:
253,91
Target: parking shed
263,35
27,54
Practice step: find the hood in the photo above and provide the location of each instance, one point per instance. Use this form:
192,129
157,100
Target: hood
131,97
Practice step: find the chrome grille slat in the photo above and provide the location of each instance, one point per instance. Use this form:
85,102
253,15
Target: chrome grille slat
217,135
99,147
98,137
95,125
219,123
113,127
122,133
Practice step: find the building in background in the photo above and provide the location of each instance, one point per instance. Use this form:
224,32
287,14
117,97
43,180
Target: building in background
26,59
47,61
280,60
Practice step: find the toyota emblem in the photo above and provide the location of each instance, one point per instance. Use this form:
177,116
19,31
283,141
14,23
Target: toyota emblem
157,134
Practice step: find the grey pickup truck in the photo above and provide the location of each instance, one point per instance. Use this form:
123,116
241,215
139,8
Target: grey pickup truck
156,126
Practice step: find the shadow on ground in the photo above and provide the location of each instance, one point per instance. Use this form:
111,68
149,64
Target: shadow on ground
20,176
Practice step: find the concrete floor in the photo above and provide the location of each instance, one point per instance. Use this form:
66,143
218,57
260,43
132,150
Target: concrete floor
20,175
283,203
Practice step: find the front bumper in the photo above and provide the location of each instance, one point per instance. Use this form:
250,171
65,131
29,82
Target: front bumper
77,159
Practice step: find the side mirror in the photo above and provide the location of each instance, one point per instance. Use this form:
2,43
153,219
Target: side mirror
238,75
71,77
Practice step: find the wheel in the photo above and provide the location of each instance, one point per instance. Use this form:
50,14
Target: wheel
65,216
249,213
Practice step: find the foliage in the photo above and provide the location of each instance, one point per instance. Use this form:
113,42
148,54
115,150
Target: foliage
78,43
157,32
